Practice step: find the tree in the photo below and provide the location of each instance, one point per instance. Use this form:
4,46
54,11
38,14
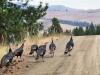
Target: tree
98,30
55,28
68,31
81,31
15,20
87,31
76,31
92,29
32,14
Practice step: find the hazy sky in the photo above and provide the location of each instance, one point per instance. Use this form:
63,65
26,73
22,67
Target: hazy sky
79,4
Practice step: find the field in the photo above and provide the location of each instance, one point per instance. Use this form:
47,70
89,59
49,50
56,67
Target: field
76,16
84,59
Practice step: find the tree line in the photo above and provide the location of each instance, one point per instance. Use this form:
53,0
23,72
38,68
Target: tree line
74,23
89,30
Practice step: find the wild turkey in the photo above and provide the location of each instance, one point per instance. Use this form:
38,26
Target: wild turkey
69,46
41,51
52,47
19,51
33,48
71,42
7,59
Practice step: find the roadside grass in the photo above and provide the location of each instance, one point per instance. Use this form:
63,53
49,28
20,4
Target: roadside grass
30,41
3,50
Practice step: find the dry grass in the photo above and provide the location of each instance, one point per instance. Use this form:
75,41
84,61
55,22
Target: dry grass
29,42
75,16
3,50
68,27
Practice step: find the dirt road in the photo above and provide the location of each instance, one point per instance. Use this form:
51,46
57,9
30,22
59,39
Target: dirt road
85,59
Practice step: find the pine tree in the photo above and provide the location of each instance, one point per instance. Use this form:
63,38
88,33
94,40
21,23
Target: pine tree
55,28
98,30
87,31
92,29
81,31
76,31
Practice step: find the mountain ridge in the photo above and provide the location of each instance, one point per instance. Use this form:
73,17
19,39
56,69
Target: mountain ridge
58,8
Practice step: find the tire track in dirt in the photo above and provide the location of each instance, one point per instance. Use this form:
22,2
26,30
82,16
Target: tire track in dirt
84,60
98,56
48,60
68,61
47,65
89,57
53,64
59,69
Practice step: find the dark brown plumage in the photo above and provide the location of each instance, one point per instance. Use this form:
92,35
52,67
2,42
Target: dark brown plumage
19,51
41,51
52,47
69,46
7,59
33,48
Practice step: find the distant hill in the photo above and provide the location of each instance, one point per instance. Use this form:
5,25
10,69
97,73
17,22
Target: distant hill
93,11
62,8
87,16
66,13
54,7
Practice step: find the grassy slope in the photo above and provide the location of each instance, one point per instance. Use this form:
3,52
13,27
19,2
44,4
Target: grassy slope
75,16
